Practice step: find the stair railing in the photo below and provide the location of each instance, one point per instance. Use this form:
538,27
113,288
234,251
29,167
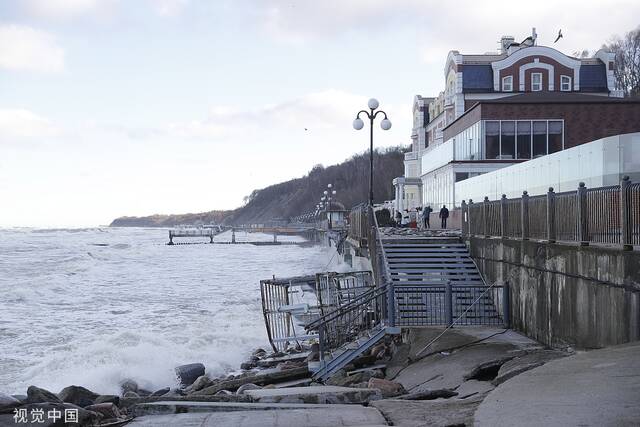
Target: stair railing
380,265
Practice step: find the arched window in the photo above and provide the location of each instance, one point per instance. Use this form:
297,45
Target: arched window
565,83
507,84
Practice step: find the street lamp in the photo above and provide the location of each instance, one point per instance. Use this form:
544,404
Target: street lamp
358,124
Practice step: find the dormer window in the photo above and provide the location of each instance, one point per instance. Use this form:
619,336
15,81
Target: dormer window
536,82
565,83
507,84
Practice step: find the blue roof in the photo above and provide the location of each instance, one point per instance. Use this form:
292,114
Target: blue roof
593,77
477,78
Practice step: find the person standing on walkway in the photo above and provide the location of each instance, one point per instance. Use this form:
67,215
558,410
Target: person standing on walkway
426,214
398,219
444,214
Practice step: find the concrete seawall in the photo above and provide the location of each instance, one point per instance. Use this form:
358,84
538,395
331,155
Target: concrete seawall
566,295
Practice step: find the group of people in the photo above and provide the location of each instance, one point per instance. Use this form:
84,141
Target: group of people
411,217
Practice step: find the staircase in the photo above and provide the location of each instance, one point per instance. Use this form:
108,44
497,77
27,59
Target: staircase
430,261
436,281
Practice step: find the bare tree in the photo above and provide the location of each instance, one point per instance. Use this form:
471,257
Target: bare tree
627,71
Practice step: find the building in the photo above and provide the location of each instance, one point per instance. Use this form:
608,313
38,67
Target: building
500,109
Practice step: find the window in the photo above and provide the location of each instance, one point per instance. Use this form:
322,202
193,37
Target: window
539,139
555,136
524,140
461,176
565,83
536,82
507,84
492,139
508,140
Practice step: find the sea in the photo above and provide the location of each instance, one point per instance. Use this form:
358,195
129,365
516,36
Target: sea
95,306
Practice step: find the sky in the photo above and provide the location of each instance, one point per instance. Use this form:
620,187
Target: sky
140,107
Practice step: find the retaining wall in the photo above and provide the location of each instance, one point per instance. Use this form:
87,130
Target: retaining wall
566,295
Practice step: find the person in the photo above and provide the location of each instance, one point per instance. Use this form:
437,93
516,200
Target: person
444,214
398,218
426,214
405,218
413,218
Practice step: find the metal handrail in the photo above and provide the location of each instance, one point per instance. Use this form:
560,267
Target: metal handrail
364,298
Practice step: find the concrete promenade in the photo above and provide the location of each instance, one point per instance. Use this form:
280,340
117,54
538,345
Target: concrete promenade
595,388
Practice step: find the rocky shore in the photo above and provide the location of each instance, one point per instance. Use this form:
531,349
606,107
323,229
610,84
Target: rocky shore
393,382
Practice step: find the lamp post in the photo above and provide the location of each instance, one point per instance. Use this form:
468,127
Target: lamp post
358,124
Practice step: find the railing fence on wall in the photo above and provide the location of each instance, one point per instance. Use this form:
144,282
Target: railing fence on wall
603,215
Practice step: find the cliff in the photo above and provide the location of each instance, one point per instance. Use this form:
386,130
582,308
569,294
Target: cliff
298,196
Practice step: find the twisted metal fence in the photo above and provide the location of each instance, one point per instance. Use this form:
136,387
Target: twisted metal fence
606,215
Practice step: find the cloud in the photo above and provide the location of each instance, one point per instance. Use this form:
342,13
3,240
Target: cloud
431,22
29,49
65,9
328,112
20,124
168,7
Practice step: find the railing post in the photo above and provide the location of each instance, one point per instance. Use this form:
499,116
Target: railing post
506,305
391,309
625,215
321,345
465,219
524,215
469,206
448,303
485,219
551,216
583,225
503,216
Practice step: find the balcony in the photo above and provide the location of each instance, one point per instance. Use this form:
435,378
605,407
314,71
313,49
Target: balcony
411,155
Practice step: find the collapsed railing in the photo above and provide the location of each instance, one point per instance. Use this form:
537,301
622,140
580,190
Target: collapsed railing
604,215
290,304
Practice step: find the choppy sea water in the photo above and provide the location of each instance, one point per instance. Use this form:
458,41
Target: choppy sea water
92,307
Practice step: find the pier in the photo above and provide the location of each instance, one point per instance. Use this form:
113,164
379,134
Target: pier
308,231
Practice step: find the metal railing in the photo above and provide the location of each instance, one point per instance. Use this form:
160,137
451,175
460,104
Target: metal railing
605,215
350,321
359,223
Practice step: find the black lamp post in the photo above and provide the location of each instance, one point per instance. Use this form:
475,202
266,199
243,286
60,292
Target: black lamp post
358,124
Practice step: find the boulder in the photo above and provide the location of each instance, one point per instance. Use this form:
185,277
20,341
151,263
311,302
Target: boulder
247,365
259,352
143,392
77,395
289,364
107,410
40,395
7,403
161,392
130,394
259,379
248,386
108,398
188,374
386,387
350,380
224,393
200,383
128,385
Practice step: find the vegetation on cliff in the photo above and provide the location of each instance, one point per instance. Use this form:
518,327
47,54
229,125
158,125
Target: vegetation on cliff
298,196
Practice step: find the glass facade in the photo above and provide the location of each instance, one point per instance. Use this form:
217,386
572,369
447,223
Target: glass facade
522,139
468,143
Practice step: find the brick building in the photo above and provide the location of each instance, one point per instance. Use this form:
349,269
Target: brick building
503,108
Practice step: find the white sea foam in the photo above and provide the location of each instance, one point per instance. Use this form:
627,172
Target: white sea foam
94,306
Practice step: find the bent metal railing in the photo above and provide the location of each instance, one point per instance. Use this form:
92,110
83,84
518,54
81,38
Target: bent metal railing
605,215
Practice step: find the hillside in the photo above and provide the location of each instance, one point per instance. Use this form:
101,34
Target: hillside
298,196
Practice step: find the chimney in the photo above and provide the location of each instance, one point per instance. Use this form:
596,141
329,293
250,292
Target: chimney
505,41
